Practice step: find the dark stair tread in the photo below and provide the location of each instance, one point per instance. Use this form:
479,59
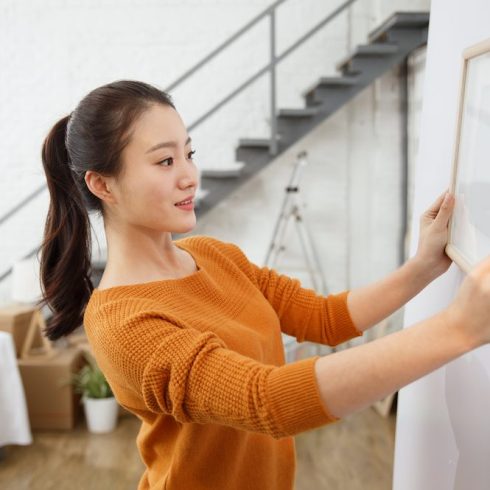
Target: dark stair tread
233,171
256,142
300,112
334,82
376,49
368,50
402,20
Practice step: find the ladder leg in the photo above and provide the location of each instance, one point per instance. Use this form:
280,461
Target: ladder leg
279,223
316,257
308,244
290,209
281,236
306,254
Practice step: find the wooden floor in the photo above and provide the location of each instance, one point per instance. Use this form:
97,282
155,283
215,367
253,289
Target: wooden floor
353,454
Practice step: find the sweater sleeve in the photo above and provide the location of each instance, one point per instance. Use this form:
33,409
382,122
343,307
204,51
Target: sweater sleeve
303,313
192,376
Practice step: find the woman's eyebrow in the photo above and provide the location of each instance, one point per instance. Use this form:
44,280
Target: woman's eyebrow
167,144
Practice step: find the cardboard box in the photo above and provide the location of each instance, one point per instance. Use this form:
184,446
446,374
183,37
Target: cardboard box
51,400
15,319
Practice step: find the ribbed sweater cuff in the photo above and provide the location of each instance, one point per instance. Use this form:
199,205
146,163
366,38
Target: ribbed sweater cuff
343,317
295,397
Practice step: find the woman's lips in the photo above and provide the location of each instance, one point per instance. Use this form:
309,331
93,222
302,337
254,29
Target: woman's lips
188,198
188,206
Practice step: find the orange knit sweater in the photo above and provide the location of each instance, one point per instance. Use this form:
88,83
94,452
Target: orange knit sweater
200,361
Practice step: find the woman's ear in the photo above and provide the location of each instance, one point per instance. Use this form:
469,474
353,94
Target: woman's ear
100,186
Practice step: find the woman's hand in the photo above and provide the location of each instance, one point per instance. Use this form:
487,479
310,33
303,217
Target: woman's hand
470,309
433,235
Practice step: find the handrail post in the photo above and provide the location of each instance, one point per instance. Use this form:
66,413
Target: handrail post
273,145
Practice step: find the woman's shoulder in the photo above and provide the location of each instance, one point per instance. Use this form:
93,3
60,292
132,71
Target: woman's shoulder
116,310
200,239
206,243
218,251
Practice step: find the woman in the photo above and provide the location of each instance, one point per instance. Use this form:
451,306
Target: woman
188,332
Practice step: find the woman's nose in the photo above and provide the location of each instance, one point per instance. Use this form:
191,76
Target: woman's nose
188,176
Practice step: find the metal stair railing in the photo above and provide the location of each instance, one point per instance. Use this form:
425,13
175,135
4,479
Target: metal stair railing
19,206
270,67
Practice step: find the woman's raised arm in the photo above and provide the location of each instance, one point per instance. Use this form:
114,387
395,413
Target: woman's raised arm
352,379
370,304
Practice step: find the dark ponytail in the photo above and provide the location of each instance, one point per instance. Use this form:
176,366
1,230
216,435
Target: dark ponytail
66,248
92,137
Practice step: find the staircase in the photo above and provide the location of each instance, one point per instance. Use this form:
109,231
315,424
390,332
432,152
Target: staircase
388,46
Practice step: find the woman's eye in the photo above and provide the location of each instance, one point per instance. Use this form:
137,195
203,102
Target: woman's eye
171,159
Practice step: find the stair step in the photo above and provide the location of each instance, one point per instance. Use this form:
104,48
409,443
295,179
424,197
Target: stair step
376,49
367,50
401,20
335,82
300,112
341,81
324,97
256,142
233,171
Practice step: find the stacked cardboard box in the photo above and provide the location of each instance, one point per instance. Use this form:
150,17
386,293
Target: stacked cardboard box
51,400
15,319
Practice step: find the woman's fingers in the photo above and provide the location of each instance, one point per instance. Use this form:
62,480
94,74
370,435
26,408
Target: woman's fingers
445,210
440,210
434,208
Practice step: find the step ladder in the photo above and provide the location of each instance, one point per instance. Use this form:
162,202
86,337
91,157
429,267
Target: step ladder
291,210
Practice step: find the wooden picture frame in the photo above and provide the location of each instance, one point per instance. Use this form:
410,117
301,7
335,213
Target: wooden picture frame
469,226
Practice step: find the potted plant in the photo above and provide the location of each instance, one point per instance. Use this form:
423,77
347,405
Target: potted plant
100,406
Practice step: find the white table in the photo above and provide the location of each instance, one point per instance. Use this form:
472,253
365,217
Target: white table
14,419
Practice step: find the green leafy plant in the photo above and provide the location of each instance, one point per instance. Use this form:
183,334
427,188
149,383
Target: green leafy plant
91,382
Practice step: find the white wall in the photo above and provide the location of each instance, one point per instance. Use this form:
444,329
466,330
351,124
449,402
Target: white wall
352,183
443,434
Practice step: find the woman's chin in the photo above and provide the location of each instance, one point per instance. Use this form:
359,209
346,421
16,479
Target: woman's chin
185,228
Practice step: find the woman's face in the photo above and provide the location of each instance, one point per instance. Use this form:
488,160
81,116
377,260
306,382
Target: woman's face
158,173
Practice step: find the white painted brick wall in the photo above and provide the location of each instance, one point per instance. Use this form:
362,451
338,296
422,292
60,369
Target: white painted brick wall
54,52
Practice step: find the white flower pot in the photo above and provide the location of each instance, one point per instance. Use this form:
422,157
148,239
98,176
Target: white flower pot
101,414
